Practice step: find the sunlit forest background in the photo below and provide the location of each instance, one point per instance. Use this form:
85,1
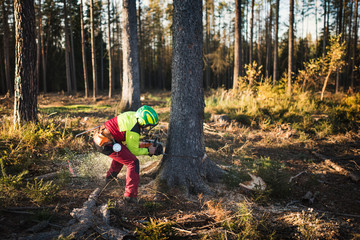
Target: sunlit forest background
315,23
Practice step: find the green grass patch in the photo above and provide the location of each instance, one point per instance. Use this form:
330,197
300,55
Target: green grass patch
156,229
74,109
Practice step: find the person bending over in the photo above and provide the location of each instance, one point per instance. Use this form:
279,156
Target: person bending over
119,139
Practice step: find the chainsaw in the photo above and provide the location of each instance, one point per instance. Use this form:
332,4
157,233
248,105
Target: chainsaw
154,142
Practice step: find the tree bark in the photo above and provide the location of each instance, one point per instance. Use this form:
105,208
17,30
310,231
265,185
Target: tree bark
9,85
276,47
185,163
131,78
237,46
25,104
111,86
67,52
86,81
93,53
291,44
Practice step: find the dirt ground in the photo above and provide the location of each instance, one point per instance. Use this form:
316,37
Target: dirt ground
324,202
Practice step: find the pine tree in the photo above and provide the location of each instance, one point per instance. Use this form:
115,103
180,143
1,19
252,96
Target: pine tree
25,104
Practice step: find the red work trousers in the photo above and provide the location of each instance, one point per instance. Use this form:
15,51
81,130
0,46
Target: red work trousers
119,159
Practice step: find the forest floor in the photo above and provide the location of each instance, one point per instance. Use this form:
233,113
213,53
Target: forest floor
323,201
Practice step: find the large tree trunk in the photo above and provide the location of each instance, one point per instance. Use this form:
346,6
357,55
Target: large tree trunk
185,164
237,46
291,44
86,81
111,85
251,32
93,52
131,78
9,85
25,105
276,47
67,52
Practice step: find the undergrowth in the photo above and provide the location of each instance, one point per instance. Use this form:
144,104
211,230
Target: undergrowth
22,146
265,106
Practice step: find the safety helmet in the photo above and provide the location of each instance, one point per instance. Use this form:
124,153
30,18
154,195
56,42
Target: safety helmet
147,116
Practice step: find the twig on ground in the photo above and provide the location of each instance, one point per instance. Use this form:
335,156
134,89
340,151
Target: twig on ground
297,175
328,161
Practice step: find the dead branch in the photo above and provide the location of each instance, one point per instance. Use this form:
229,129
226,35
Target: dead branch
47,176
329,162
86,219
26,208
353,176
38,227
297,175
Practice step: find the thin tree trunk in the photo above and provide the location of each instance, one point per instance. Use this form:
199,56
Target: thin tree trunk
316,29
120,55
38,50
237,47
101,58
325,30
67,52
207,46
131,79
276,54
291,44
25,104
111,86
268,42
9,85
86,81
348,70
251,32
354,49
325,84
73,65
93,52
42,51
141,48
2,75
49,17
259,37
